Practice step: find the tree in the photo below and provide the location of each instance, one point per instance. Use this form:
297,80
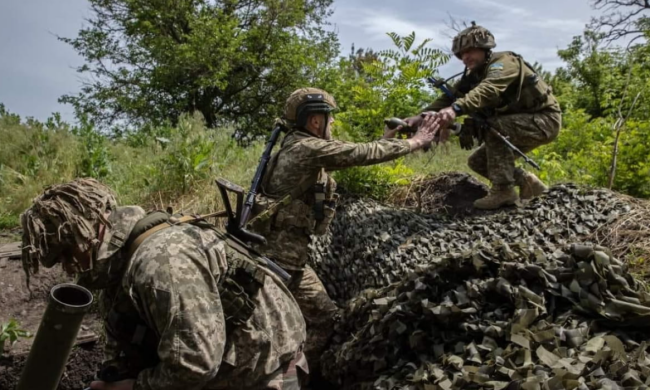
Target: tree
235,61
621,18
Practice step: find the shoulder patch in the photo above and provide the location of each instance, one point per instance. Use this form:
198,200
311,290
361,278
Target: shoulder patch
496,66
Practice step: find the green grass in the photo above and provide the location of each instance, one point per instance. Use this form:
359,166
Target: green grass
441,158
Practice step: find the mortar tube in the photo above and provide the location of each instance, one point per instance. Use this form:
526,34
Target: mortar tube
55,337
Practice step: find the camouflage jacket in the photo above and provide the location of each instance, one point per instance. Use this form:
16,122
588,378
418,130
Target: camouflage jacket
297,169
172,283
506,84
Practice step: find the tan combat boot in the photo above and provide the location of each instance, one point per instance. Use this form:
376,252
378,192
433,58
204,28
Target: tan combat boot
498,196
530,186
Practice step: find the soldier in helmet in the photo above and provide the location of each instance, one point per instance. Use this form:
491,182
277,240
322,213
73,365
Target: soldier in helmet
184,305
298,199
516,101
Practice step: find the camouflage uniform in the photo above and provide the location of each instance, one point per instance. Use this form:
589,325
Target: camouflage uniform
517,103
292,184
168,300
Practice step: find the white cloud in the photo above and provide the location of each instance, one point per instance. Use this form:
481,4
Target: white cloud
493,6
374,24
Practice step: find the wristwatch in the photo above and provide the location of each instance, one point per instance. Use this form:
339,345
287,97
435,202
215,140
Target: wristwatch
456,109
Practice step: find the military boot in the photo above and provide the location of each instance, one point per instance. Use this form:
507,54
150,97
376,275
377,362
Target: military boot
530,186
498,196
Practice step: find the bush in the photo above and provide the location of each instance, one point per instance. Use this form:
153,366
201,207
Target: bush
11,332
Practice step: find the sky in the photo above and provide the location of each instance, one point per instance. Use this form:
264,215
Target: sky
36,68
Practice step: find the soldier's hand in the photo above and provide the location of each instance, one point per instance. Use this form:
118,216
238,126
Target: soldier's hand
445,117
120,385
427,131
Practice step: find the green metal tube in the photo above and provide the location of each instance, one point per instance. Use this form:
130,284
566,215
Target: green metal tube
55,337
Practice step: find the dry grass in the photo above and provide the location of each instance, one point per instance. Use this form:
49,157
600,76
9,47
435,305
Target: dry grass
628,237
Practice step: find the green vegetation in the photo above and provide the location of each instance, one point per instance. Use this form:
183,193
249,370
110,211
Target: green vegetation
152,61
198,83
11,332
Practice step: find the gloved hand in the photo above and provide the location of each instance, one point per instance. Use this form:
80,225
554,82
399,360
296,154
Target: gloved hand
466,138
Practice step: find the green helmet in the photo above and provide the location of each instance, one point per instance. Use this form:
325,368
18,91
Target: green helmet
473,37
305,101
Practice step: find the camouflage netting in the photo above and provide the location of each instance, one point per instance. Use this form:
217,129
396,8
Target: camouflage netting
510,317
491,300
370,245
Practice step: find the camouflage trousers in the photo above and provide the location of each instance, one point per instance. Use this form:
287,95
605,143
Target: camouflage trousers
496,161
317,308
290,376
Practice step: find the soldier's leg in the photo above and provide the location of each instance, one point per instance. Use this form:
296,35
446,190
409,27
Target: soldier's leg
526,132
317,308
477,161
291,376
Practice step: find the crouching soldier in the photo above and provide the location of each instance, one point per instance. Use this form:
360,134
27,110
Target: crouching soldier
184,305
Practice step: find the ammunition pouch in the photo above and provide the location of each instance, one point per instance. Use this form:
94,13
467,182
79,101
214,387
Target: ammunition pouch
311,211
328,214
240,286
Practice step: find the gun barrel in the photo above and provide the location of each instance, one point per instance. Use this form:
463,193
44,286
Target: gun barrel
57,332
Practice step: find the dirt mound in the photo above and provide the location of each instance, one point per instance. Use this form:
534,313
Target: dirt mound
450,193
79,371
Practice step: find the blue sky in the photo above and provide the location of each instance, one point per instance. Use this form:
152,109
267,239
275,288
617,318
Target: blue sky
36,69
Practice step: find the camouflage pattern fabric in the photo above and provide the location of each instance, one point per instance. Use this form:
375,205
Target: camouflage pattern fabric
496,161
290,376
302,158
172,281
318,309
494,88
172,285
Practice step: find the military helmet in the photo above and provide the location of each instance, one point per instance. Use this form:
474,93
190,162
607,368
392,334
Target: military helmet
305,101
473,37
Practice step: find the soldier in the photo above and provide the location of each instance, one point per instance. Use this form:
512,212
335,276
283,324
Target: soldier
184,306
516,101
297,198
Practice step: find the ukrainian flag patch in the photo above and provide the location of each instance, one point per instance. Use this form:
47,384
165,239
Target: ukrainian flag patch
496,66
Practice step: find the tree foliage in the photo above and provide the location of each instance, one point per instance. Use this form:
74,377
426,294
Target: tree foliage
234,61
597,89
370,86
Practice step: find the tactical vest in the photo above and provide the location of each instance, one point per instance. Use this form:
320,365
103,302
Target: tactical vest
311,206
530,93
237,287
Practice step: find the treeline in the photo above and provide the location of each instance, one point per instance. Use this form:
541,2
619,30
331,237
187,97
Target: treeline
182,91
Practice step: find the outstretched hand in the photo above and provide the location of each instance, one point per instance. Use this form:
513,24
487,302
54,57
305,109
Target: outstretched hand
427,131
445,117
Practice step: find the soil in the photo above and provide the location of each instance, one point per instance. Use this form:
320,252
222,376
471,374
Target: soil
16,302
79,371
451,193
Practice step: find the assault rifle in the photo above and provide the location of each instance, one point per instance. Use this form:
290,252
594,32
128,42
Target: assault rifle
482,121
238,218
